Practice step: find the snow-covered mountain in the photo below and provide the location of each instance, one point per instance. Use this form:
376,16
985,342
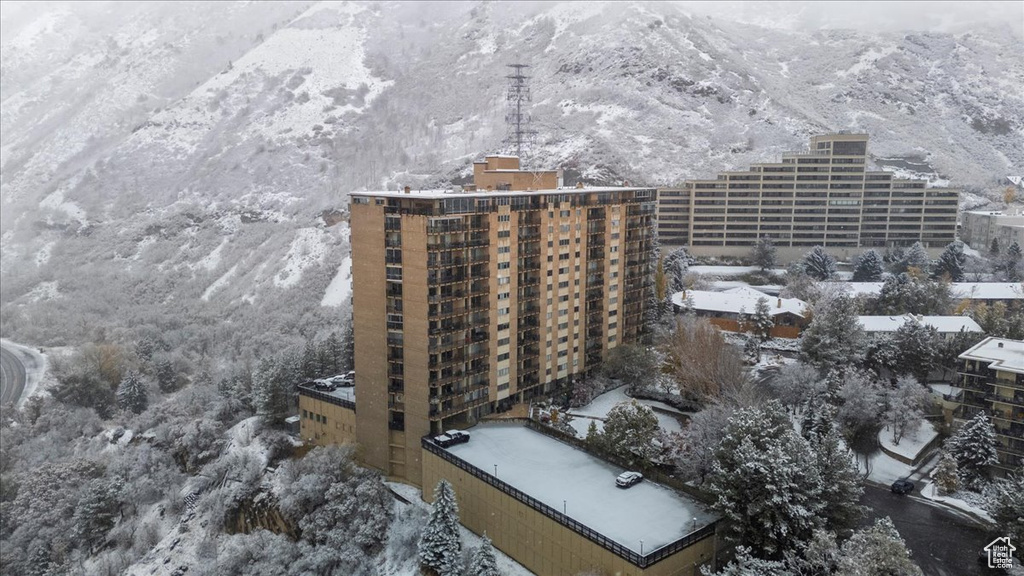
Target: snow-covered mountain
200,153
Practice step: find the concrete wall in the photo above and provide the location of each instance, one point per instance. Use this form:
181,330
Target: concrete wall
538,542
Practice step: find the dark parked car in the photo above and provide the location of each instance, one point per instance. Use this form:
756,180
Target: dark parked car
902,487
443,440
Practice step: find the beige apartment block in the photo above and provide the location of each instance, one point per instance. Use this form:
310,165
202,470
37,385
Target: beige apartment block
327,418
823,197
991,379
467,302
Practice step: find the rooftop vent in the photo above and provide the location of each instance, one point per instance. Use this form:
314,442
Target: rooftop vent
407,190
1000,344
579,185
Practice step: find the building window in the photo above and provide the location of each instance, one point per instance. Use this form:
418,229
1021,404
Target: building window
503,371
504,217
503,356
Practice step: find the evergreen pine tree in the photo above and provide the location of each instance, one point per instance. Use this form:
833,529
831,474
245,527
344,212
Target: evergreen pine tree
166,377
1011,262
819,264
765,480
131,394
951,262
993,248
440,545
868,267
918,346
310,363
762,321
763,254
484,562
271,391
331,352
917,259
974,448
947,474
840,482
96,512
835,338
1006,505
676,263
876,551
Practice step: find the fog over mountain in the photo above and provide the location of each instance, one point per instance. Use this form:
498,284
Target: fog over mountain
175,165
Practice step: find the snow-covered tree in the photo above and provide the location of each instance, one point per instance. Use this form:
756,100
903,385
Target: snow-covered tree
484,562
993,248
835,338
752,349
817,419
675,265
131,394
974,448
883,354
1011,262
765,480
795,384
819,264
840,482
701,438
817,557
761,321
1006,505
763,254
271,391
440,546
947,474
951,262
868,267
915,261
745,564
904,406
629,431
902,294
166,375
96,512
860,413
876,551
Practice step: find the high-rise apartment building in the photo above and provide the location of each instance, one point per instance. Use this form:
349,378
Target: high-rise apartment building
467,302
823,197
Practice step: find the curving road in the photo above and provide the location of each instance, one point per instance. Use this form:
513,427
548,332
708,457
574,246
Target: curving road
12,377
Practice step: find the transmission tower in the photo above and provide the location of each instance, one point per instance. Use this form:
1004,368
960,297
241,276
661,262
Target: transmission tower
518,134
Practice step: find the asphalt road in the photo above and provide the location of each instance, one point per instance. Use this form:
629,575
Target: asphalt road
12,377
944,543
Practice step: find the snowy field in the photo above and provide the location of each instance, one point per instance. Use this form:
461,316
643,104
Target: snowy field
599,407
553,473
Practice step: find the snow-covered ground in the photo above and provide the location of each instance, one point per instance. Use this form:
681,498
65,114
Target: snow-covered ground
931,492
913,441
36,366
599,407
559,475
340,288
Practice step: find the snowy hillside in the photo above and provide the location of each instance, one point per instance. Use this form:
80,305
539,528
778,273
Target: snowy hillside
201,154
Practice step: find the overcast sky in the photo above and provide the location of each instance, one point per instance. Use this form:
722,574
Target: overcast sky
869,15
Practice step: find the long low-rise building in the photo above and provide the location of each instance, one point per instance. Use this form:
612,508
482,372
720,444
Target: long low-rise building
980,292
947,326
733,309
557,509
327,417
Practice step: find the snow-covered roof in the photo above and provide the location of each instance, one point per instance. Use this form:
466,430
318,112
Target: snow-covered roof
553,472
730,271
944,324
1001,354
962,290
346,393
736,300
450,193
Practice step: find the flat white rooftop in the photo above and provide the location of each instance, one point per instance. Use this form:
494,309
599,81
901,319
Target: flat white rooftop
552,472
452,193
944,324
1000,353
962,290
